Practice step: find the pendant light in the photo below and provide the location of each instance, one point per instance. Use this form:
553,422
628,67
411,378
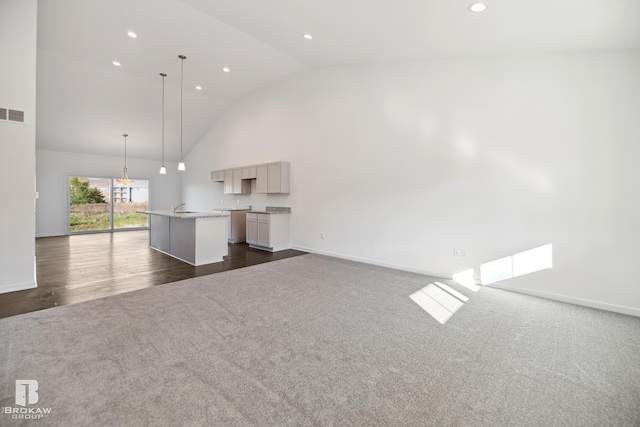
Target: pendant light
125,178
182,58
163,170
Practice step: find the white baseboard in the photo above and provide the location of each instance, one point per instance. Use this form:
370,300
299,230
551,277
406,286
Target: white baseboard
371,261
556,297
12,287
571,300
51,235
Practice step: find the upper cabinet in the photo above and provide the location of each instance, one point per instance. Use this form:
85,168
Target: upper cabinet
240,186
249,172
273,178
261,178
217,176
228,181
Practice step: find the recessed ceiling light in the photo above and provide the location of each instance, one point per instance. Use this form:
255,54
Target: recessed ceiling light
477,7
226,70
199,87
307,36
132,34
116,63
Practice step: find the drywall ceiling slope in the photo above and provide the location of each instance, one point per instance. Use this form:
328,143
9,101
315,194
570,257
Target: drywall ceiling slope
365,31
84,103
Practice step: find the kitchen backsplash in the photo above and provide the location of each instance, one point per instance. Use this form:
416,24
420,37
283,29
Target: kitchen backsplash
278,209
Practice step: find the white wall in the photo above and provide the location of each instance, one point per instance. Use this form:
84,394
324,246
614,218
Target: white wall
54,168
18,30
399,164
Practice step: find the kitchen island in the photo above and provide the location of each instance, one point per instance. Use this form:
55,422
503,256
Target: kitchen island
196,238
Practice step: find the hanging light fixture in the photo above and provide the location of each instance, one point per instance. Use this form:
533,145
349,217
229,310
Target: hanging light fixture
163,170
125,178
182,58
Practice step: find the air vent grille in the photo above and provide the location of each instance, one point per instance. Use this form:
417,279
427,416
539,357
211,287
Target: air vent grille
12,115
16,116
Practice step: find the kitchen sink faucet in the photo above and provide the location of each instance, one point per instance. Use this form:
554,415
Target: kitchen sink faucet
174,209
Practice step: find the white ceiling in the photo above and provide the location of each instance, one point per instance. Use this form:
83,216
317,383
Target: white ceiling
85,104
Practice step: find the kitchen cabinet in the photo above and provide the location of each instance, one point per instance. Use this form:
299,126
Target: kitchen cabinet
262,176
252,228
239,185
264,230
217,176
228,181
273,178
249,172
269,232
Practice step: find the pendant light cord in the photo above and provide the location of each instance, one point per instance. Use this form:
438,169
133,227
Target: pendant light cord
163,76
182,58
125,151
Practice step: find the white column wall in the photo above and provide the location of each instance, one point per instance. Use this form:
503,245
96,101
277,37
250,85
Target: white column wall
18,31
54,168
399,164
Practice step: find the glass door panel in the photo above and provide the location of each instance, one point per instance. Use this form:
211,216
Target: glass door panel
89,207
127,199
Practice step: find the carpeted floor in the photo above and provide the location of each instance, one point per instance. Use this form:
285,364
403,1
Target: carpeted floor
314,340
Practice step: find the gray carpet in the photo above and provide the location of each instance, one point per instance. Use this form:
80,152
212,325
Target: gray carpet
314,340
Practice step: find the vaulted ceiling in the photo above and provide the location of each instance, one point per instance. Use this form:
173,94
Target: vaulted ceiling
85,103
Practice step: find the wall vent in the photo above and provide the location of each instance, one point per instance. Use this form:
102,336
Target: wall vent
9,115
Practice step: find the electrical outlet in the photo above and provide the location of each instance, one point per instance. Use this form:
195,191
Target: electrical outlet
456,253
322,235
463,253
221,201
238,201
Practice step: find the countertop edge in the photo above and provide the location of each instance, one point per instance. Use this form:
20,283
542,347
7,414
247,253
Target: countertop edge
187,215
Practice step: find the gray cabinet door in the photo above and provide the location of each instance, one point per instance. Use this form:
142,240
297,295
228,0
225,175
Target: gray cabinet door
228,181
262,178
264,230
252,229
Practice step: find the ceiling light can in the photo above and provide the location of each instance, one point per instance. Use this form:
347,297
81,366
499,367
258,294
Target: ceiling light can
477,7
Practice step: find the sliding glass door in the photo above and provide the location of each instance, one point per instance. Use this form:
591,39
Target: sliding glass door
102,204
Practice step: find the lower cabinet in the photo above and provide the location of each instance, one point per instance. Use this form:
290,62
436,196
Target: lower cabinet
268,232
264,230
252,228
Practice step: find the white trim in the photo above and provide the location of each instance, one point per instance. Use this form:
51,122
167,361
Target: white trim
12,287
571,300
373,262
51,235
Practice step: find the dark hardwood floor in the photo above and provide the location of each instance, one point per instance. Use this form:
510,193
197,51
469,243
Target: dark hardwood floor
83,267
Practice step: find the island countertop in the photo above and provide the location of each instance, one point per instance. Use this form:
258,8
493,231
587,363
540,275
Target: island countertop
188,215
